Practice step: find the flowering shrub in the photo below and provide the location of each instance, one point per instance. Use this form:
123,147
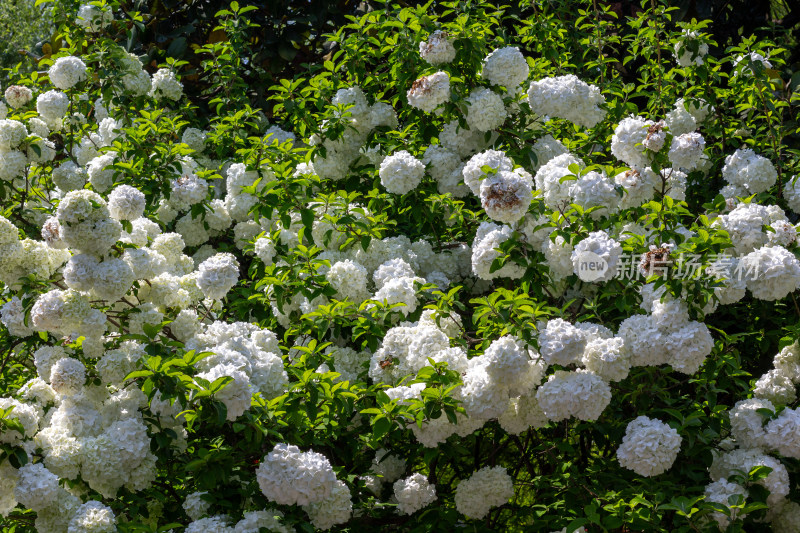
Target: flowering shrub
454,280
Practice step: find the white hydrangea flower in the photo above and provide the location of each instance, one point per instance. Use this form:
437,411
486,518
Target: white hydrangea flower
594,189
680,121
787,361
782,434
484,251
567,97
126,203
684,54
288,476
687,150
484,490
17,96
429,92
401,172
217,275
473,170
388,466
12,133
506,196
349,279
413,493
719,492
744,168
335,509
93,517
52,106
67,72
195,506
505,66
600,245
786,520
747,423
548,179
67,376
741,460
485,110
607,358
580,394
649,447
166,85
37,487
627,141
771,272
438,49
776,387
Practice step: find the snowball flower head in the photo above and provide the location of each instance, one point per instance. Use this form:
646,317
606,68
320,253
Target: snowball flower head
771,272
93,517
413,493
166,85
401,172
288,476
67,71
217,275
126,203
67,376
429,92
744,168
569,98
506,67
18,96
438,49
580,394
506,196
487,488
486,110
686,151
649,447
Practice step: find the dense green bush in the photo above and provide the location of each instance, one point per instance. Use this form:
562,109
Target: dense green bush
357,298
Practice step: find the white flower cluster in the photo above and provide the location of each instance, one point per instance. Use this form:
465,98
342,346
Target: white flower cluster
567,97
649,447
484,490
288,476
690,50
166,85
413,493
749,172
429,92
581,394
506,67
438,49
401,172
66,72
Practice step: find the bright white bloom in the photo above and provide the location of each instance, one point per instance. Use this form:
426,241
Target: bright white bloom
783,434
288,476
776,387
484,251
12,133
166,85
561,343
596,245
787,361
86,224
400,290
689,51
649,447
686,151
506,67
52,105
771,272
486,110
485,489
580,394
473,170
67,376
546,149
607,358
438,49
506,196
720,492
747,422
627,141
569,98
548,179
389,466
67,71
401,172
37,487
17,96
93,517
349,279
745,61
740,460
429,92
218,274
594,189
94,18
126,203
335,509
744,168
413,493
